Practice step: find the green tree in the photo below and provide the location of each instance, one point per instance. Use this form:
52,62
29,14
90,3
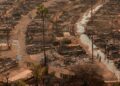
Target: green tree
116,84
38,72
66,41
19,83
85,75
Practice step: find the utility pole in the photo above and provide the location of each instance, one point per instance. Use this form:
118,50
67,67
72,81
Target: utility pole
92,46
43,28
8,34
112,27
106,46
91,10
92,49
43,11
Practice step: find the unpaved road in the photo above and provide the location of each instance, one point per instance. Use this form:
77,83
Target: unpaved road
86,42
